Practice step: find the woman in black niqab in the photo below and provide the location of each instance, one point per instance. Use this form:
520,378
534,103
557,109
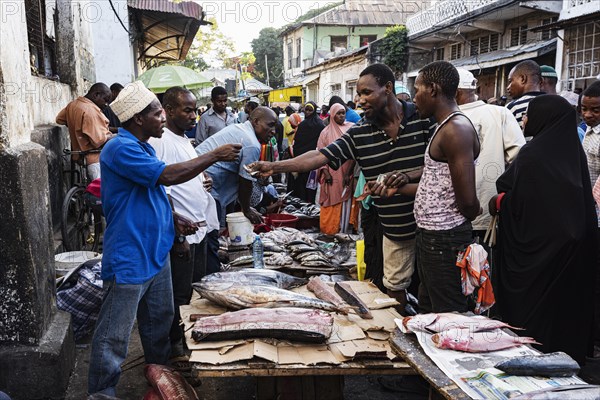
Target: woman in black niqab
546,264
306,138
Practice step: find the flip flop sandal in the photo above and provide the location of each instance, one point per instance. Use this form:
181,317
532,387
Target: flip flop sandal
181,363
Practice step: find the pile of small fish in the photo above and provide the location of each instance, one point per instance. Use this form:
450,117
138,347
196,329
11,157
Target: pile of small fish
282,323
276,239
279,259
299,208
308,255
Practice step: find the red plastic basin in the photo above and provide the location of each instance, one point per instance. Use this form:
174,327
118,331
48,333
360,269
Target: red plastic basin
279,220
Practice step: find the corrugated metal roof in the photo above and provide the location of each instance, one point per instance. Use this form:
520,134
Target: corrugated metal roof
545,46
187,8
360,13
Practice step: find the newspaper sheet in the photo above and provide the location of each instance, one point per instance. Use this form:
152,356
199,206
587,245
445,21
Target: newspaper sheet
475,374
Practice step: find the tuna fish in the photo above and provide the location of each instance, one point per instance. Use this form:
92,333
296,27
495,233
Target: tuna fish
477,342
552,364
238,296
443,321
297,324
251,276
325,292
567,392
346,293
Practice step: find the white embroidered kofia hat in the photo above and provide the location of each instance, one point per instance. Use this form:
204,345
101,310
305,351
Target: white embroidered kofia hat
133,99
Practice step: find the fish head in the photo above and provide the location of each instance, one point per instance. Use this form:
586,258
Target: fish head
419,322
452,339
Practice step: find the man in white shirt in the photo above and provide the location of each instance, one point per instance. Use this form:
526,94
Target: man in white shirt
192,256
500,138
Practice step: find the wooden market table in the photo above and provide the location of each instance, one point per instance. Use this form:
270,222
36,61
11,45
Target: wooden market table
409,349
297,381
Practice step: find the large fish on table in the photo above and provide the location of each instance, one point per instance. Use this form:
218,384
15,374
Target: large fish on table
440,322
297,324
238,296
253,276
477,342
552,364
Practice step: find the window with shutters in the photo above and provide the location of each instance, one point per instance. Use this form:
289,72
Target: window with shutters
456,51
290,55
484,44
439,54
547,34
41,36
298,52
518,36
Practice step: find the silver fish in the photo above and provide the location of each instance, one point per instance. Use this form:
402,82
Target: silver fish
237,296
252,276
244,260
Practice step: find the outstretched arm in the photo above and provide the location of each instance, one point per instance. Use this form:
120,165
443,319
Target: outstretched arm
306,162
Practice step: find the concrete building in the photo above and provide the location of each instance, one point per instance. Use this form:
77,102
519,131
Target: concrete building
347,27
487,37
578,55
48,56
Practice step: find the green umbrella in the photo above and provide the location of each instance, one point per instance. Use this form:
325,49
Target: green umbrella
160,79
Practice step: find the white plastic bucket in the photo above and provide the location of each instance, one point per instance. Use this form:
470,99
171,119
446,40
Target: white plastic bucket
241,230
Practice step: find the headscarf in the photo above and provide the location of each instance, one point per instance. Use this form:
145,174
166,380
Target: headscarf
333,130
308,132
547,232
295,120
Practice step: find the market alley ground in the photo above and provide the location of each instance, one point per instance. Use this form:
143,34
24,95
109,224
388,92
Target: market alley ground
133,384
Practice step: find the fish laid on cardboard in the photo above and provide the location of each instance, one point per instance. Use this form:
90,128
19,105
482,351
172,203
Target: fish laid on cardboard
324,292
477,342
239,296
348,295
297,324
252,276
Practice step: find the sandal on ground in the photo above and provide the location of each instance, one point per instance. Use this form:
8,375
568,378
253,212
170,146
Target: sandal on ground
181,363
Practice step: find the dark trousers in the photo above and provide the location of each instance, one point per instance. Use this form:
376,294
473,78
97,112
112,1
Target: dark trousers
373,233
212,254
436,251
183,274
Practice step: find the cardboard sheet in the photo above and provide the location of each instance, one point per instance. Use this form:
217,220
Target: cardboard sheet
370,294
352,337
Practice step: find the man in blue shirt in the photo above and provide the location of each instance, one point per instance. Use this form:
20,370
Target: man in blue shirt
231,181
139,234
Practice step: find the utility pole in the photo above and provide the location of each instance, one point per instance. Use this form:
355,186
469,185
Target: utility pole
267,69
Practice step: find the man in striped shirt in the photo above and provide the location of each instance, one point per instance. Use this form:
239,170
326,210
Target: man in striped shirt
524,82
390,140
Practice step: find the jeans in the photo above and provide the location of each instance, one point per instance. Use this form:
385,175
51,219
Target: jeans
436,251
183,274
152,304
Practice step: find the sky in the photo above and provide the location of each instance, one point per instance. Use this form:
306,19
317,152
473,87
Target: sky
242,20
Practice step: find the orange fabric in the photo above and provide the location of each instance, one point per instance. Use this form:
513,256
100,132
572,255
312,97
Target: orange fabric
354,213
329,220
88,126
474,274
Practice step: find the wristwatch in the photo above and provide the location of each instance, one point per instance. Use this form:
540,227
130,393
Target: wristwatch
180,239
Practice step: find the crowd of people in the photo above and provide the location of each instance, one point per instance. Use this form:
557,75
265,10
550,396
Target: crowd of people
428,170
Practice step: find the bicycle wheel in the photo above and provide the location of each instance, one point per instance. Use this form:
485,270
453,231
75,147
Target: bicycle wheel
77,222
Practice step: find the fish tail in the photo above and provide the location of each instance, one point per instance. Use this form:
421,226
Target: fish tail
527,340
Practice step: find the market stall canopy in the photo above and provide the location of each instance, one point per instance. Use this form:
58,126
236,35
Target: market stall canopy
161,78
254,86
165,30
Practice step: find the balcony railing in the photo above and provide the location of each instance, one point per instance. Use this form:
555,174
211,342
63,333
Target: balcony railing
442,12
